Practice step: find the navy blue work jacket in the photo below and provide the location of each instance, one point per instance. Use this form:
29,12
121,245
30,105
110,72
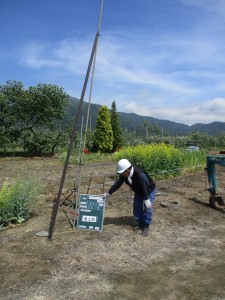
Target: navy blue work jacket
142,184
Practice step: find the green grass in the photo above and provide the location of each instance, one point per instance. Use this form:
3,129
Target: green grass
16,200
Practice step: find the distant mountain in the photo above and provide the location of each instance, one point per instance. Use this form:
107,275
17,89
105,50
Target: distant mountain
211,128
132,121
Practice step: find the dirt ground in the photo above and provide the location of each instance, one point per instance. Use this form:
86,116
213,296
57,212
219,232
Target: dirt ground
182,258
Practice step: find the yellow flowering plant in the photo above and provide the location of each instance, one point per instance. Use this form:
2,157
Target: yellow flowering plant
161,159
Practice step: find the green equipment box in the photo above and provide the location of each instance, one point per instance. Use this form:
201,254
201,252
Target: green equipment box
91,212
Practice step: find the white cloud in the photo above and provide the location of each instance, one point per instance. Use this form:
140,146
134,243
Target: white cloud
167,77
115,63
217,6
215,105
202,112
34,55
74,54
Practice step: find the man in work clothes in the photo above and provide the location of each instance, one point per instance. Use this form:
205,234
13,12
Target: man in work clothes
144,192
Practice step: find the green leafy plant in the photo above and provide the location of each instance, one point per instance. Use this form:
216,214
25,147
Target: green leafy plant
161,159
16,200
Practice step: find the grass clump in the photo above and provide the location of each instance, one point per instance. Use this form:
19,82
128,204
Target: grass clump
17,199
85,157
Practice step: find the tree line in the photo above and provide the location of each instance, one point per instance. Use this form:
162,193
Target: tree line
30,120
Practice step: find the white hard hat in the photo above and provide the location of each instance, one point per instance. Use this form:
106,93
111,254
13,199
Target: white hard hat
123,165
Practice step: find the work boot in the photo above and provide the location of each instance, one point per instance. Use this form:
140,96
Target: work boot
145,231
138,227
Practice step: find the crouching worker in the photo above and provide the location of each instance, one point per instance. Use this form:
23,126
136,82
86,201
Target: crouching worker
144,192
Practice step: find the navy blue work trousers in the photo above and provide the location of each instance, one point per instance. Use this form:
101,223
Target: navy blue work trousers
142,214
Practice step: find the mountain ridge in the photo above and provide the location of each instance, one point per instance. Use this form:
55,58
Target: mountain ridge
135,122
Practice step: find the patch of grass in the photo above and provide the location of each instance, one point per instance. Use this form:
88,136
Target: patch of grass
91,157
16,200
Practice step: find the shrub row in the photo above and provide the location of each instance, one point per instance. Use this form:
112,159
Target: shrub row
162,159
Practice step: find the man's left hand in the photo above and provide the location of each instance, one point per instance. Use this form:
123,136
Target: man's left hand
148,203
106,196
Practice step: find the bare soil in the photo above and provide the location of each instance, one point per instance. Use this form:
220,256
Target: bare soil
182,258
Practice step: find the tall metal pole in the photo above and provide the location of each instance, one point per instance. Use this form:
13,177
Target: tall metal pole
92,80
72,138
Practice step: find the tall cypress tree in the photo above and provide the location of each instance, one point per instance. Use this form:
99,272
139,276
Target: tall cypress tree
116,127
103,135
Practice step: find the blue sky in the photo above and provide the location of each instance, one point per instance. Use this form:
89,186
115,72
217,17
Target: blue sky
159,58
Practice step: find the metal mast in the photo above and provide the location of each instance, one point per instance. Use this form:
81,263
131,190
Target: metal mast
92,79
74,131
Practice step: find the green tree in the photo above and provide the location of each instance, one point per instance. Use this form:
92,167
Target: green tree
151,129
10,95
30,115
146,129
220,139
116,127
103,135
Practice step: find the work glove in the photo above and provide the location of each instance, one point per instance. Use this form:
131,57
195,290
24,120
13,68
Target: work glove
148,203
106,196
